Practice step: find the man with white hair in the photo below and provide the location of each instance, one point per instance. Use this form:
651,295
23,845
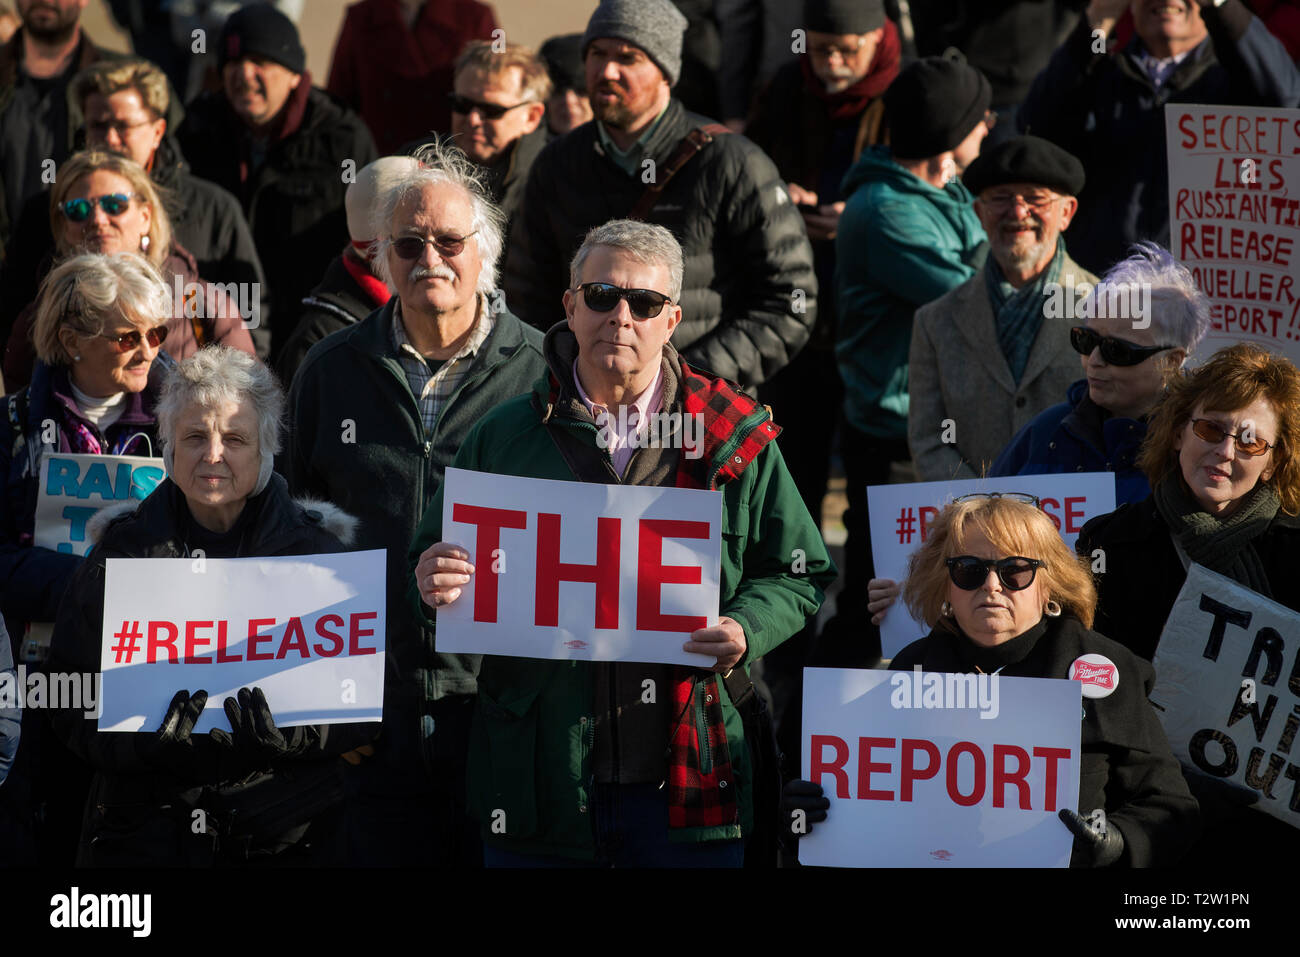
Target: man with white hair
378,410
351,288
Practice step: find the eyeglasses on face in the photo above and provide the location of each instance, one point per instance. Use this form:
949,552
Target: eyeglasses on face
113,204
1215,434
1016,573
1001,201
1115,352
99,129
824,51
489,111
127,341
604,297
447,245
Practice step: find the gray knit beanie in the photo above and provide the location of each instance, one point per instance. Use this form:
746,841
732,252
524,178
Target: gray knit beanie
656,26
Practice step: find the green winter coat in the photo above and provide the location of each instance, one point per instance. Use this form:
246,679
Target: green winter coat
901,243
531,747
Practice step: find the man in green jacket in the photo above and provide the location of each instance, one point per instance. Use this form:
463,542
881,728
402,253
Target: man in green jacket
569,759
908,234
378,410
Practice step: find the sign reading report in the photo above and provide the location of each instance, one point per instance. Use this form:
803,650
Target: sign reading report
940,770
900,515
578,570
308,630
1234,202
75,487
1228,689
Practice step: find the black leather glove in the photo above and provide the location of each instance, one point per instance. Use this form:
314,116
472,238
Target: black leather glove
254,734
1093,846
802,796
171,747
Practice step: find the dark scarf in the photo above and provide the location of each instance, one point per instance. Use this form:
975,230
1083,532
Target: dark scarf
1223,546
849,103
1018,313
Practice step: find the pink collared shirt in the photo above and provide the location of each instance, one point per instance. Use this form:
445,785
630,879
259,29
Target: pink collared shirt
617,434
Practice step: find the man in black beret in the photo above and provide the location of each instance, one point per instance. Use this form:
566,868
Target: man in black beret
569,105
993,353
282,148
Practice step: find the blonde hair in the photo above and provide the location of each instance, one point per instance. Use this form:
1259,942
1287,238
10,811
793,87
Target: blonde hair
1016,528
81,165
534,80
88,291
113,76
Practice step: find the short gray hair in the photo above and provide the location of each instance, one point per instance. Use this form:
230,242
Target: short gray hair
646,243
1180,312
440,165
87,292
213,376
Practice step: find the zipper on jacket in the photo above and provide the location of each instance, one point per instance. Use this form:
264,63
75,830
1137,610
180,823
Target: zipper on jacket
702,729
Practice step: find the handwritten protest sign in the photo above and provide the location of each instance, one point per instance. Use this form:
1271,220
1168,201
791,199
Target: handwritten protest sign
939,770
1234,201
75,487
576,570
900,514
308,630
1228,689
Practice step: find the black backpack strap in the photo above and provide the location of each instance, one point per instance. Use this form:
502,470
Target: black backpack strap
687,149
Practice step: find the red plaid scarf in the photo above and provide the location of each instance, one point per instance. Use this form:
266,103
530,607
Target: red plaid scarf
701,782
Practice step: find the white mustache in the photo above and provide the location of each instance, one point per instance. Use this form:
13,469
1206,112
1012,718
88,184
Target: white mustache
437,272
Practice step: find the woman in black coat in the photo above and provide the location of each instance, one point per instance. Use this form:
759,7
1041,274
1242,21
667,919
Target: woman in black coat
263,792
1223,457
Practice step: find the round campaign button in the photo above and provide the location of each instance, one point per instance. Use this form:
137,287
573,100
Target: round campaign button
1097,673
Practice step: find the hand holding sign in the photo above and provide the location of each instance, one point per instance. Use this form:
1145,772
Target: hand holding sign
255,733
725,641
881,593
442,569
171,747
1100,846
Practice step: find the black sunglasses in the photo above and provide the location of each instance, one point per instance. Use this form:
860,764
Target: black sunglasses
604,297
131,340
448,246
114,204
1016,573
489,111
1115,352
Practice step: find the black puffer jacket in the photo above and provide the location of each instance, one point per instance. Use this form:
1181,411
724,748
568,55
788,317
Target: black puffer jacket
294,200
141,814
1127,768
745,245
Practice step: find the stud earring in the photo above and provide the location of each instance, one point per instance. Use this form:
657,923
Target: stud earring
946,610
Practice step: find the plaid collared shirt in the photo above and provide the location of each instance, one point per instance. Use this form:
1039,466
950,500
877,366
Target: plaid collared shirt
432,389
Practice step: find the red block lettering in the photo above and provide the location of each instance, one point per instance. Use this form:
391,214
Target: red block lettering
490,521
356,632
867,767
818,767
222,657
157,641
1073,515
1047,505
293,640
551,571
652,574
1052,755
910,772
255,636
977,793
192,641
1002,777
337,639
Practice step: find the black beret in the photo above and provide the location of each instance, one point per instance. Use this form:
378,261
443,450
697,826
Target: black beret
1026,159
843,16
563,58
934,104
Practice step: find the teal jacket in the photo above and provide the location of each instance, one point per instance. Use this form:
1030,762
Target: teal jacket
901,243
531,746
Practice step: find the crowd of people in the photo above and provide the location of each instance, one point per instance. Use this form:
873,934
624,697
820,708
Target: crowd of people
829,229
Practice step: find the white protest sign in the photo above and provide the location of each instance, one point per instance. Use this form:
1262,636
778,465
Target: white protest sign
582,571
1234,218
307,629
900,514
74,487
1228,689
939,770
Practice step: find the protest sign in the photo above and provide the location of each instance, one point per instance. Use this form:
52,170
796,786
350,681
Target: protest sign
940,770
1234,205
74,487
900,514
582,571
1228,701
308,630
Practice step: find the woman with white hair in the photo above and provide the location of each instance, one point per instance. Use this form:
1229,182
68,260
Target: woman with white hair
262,789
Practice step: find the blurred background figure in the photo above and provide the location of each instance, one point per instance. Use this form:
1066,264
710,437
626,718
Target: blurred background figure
569,105
9,22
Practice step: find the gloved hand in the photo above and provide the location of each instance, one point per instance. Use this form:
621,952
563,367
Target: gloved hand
171,747
254,734
1094,846
803,796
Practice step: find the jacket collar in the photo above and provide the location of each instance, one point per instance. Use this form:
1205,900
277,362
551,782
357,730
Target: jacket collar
371,337
675,123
